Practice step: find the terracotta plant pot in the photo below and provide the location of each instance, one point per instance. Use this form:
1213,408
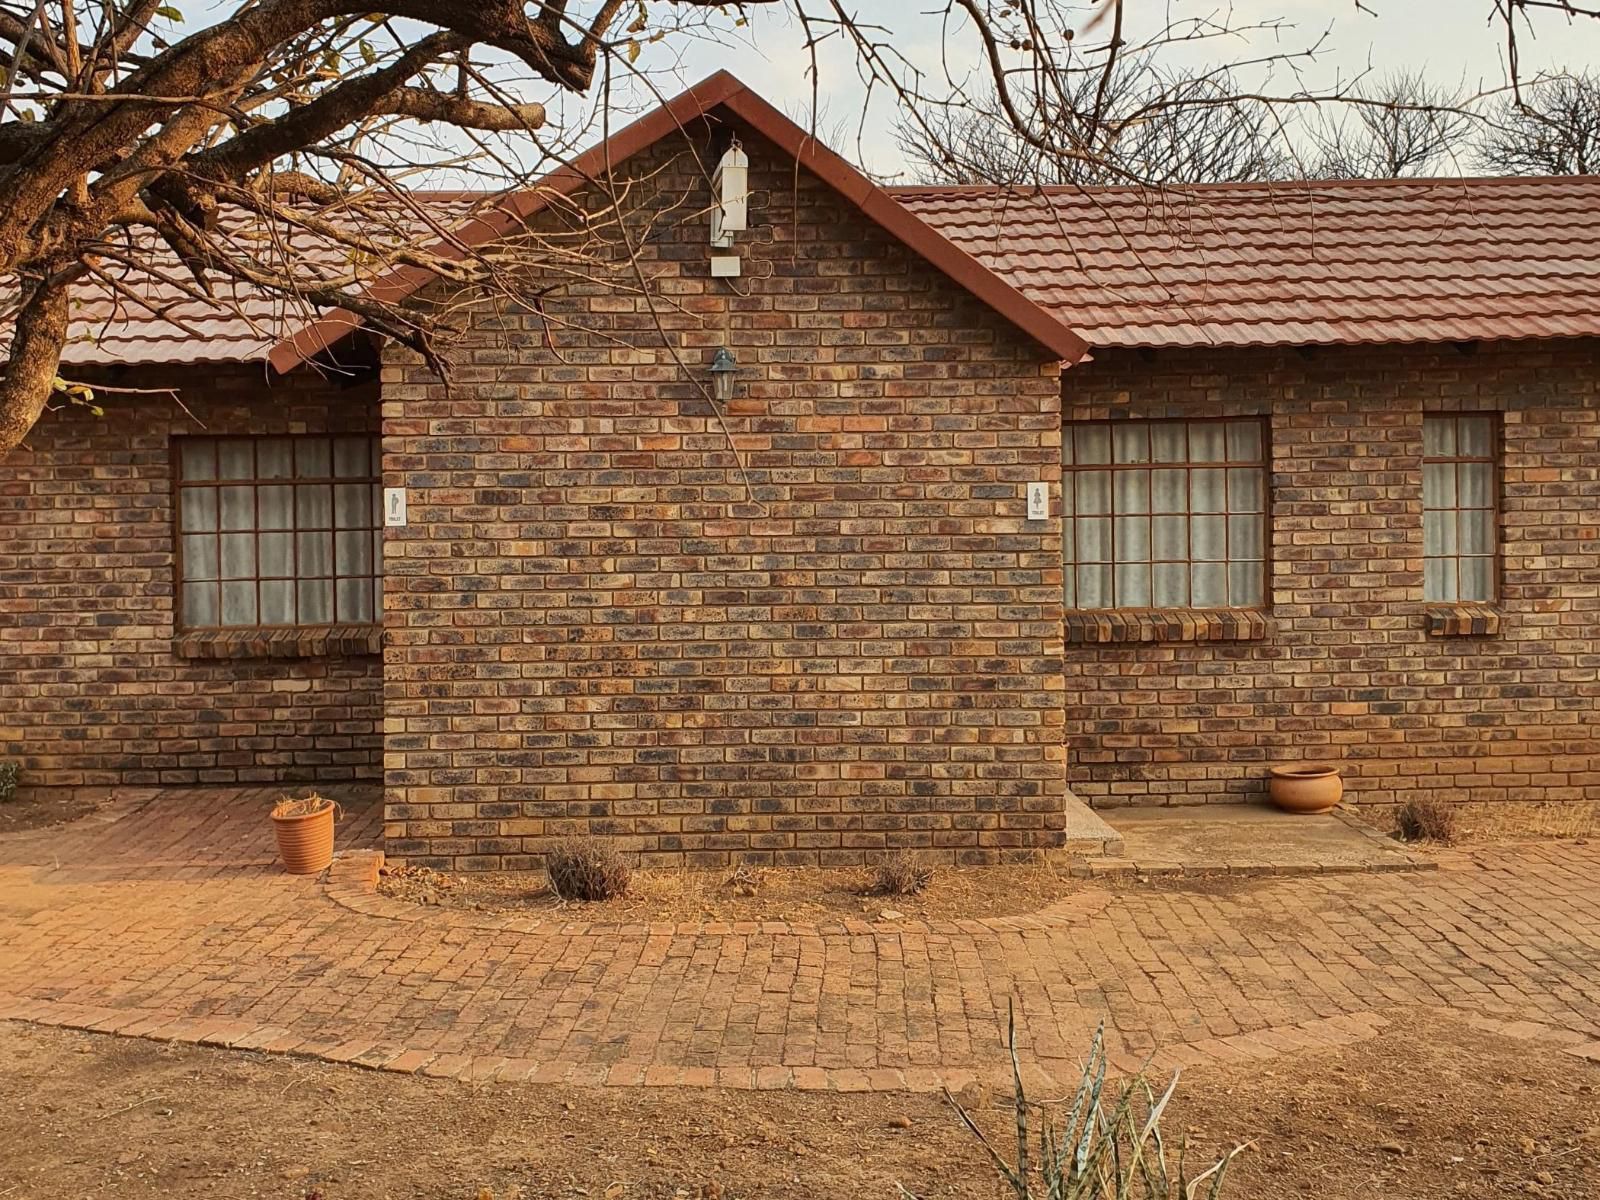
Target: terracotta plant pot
1305,787
305,833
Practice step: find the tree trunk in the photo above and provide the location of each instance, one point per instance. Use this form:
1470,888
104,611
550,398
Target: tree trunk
38,336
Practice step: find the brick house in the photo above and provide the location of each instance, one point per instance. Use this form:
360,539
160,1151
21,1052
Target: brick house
1322,477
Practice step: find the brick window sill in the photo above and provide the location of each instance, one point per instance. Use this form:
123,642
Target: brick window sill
1167,625
327,641
1461,620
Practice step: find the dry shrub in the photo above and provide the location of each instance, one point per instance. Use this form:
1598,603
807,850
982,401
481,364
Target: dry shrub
903,873
1427,819
1502,821
10,773
586,868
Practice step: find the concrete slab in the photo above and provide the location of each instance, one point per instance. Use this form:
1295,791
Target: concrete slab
1087,832
1254,839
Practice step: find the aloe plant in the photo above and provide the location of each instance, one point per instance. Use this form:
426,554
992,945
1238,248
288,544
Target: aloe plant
1107,1145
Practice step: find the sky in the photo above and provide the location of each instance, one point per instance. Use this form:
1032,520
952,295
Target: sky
1452,41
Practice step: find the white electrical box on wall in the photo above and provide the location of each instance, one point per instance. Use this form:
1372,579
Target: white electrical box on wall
1038,502
730,188
394,506
724,266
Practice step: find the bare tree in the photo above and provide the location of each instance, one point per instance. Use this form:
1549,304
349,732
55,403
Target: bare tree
1143,125
1395,126
1551,127
211,162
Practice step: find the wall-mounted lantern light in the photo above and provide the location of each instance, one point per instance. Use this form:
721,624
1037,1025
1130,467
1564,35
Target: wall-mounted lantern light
723,369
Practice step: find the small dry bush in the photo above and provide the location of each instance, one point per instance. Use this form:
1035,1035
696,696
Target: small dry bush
10,773
586,868
903,873
1427,819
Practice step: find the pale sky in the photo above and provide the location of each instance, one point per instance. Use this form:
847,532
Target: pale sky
1451,40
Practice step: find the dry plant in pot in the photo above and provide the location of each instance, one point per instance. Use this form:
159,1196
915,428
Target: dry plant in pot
1305,787
305,832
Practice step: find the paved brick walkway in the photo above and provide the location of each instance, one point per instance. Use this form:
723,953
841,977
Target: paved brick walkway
172,921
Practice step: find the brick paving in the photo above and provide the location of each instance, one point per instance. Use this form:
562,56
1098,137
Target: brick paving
168,918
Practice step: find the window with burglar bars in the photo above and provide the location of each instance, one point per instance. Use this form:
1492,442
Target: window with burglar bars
1460,503
277,532
1165,514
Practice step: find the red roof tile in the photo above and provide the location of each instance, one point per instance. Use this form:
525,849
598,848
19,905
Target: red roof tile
1292,263
152,316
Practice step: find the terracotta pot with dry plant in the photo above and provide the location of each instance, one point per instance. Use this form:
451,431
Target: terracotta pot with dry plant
305,832
1305,787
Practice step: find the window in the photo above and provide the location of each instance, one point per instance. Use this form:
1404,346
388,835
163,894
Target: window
278,531
1165,514
1459,502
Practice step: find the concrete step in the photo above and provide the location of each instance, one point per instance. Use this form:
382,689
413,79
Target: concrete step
1087,834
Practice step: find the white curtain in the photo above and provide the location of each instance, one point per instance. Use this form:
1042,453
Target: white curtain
1458,534
1148,536
260,553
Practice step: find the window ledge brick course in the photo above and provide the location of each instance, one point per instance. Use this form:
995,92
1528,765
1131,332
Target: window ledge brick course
328,641
1462,620
1167,625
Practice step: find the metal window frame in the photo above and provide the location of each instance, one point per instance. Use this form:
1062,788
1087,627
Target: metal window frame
1495,460
373,480
1188,465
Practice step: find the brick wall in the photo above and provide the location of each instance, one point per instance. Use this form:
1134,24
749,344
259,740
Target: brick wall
593,628
93,692
1347,671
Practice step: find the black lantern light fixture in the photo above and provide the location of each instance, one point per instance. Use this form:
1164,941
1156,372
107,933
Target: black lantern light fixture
723,369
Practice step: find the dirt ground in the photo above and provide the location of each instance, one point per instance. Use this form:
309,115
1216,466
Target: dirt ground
1430,1110
801,894
43,808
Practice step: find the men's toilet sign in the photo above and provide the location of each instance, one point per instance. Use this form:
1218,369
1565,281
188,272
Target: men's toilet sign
394,506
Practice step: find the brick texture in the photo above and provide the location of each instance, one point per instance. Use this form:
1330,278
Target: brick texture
1348,670
95,691
591,626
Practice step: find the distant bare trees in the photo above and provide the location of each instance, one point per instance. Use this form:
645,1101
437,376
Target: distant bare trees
1139,125
1398,125
1146,126
1552,129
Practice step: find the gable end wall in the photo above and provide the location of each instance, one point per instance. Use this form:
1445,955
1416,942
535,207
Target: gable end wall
593,629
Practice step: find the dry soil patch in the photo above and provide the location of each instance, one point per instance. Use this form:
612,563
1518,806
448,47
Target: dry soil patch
1431,1110
43,809
796,894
